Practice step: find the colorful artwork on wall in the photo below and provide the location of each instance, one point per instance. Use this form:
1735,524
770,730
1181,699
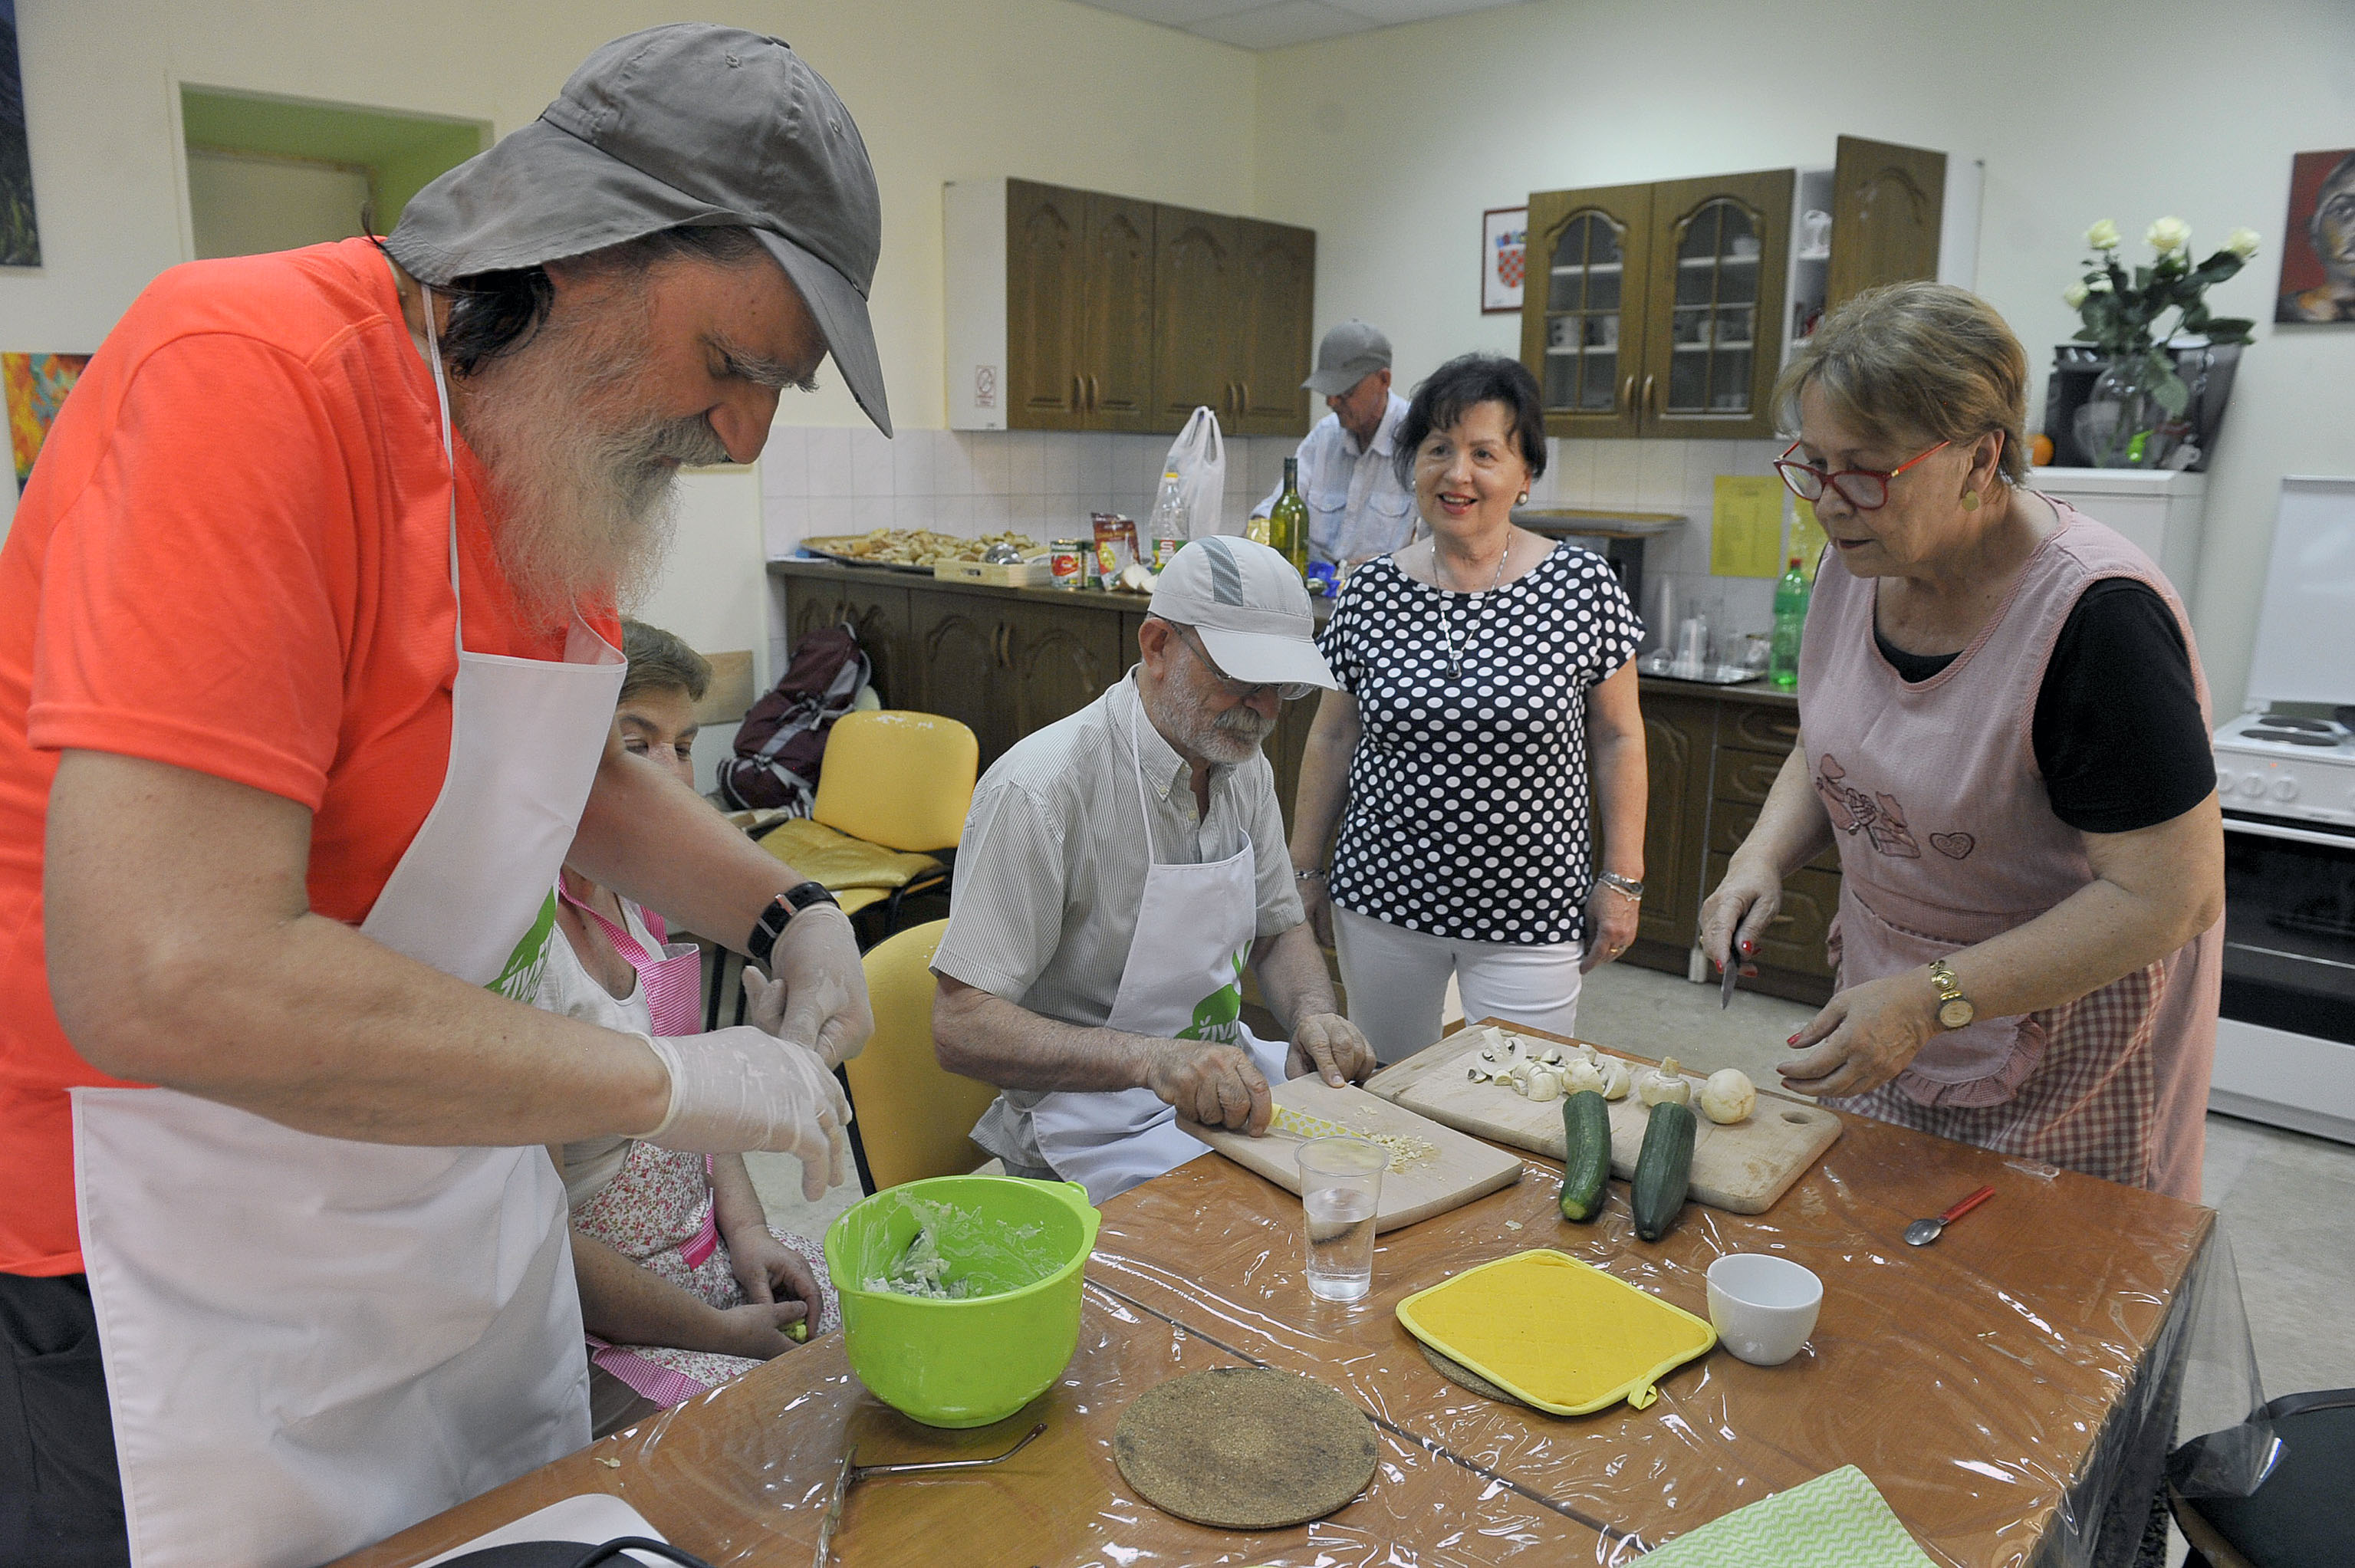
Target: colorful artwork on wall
1504,242
2318,269
20,232
36,385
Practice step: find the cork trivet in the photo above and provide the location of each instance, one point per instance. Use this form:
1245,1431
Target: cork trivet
1240,1448
1455,1372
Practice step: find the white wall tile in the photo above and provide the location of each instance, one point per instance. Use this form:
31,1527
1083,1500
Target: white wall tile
954,515
784,523
992,513
868,513
1059,471
1704,461
827,454
1093,464
1572,472
1660,474
870,466
911,461
1027,456
991,457
913,511
785,461
1616,473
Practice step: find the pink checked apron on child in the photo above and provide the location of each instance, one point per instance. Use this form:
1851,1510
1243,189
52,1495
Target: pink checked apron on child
658,1211
1946,839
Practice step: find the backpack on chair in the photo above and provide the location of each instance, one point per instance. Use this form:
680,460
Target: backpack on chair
781,742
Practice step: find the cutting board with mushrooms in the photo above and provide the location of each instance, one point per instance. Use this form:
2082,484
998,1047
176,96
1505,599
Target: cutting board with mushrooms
1432,1168
1475,1079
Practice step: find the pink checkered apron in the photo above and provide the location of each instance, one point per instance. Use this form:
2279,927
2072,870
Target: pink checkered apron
1946,839
657,1211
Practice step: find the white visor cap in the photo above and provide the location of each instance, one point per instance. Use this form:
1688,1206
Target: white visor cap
1248,607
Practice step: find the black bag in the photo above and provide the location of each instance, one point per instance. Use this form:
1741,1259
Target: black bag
782,741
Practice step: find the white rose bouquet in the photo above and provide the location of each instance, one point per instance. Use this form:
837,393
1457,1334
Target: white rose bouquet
2120,309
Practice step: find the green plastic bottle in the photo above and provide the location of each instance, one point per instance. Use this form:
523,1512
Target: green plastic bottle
1287,520
1790,617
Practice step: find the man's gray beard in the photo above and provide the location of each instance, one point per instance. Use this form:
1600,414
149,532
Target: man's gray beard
1229,738
586,502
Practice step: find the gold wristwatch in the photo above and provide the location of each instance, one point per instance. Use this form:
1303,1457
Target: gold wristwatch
1955,1010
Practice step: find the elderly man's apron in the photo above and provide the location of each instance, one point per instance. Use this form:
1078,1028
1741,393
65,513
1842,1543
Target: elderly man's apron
1183,980
1947,838
311,1342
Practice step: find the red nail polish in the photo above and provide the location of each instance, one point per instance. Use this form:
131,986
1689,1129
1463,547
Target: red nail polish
1749,947
1793,1040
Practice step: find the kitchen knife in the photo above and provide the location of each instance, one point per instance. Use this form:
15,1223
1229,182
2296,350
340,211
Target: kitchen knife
1725,986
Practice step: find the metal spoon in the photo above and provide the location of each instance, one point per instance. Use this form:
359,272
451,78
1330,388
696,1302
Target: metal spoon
852,1473
1921,1233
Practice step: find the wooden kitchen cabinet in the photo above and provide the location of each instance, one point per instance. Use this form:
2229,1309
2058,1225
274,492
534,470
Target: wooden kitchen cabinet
1056,662
1076,309
1665,309
1677,735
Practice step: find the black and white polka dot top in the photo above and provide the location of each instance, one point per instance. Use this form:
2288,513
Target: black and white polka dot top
1467,809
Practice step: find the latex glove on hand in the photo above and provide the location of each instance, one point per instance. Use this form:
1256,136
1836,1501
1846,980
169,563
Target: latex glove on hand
825,984
743,1088
800,1019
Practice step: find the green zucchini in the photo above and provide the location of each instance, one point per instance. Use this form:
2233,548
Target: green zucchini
1586,1157
1663,1169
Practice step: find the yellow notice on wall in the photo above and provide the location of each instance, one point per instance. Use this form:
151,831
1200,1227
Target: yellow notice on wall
1806,537
1745,535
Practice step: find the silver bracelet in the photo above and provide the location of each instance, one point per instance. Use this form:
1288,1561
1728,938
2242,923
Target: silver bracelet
1317,875
1625,887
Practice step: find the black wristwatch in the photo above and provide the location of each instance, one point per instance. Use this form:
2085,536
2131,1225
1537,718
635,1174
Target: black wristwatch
774,919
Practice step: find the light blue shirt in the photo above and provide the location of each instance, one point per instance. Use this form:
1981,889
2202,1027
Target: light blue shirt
1356,507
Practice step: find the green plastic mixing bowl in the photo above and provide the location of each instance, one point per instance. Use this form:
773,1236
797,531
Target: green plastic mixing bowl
1019,1246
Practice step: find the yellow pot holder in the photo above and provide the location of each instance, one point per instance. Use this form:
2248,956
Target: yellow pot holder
1557,1333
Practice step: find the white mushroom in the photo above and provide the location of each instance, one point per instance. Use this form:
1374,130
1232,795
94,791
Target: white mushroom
1581,1074
1544,1083
1616,1079
1729,1095
1663,1082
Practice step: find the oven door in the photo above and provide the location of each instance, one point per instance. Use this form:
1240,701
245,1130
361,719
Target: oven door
2285,1041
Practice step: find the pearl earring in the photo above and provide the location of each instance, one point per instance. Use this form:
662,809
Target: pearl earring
1524,500
1970,500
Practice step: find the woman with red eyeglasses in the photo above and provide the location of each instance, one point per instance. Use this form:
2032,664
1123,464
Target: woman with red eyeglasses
2004,727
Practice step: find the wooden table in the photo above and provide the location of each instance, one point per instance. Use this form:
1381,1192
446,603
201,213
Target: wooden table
1982,1383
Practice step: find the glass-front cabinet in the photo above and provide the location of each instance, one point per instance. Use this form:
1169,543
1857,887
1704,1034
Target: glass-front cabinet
1658,310
1583,306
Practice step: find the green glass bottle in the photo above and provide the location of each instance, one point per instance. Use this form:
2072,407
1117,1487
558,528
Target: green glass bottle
1288,521
1791,595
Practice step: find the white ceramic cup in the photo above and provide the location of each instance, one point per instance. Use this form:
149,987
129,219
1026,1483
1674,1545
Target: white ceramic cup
1763,1306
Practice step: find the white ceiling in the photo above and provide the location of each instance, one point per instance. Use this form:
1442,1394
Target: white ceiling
1273,24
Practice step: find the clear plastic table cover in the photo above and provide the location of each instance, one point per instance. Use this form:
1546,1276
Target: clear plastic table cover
2012,1389
742,1475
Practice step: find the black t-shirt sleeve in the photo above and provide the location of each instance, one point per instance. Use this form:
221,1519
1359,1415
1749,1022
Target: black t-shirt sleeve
2117,729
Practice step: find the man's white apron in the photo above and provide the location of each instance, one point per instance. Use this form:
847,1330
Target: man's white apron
310,1342
1183,980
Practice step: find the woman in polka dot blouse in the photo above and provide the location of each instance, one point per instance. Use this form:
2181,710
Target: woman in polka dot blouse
1486,673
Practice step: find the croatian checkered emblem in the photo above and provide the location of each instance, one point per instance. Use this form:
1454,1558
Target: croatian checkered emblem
1512,251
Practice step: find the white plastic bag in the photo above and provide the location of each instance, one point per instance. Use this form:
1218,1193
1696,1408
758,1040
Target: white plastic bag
1199,458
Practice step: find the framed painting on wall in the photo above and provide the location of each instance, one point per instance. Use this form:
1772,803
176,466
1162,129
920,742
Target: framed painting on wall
20,234
2318,269
1504,244
36,385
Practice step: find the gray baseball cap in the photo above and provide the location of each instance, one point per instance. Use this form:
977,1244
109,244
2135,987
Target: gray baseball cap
1350,352
1250,608
678,125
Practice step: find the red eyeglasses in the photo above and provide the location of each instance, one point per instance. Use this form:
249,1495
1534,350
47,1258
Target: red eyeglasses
1864,489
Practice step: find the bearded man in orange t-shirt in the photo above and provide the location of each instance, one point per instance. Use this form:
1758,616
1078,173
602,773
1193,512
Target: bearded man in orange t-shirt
307,680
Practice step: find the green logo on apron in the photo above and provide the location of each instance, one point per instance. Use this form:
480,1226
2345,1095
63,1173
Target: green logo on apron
1217,1017
520,978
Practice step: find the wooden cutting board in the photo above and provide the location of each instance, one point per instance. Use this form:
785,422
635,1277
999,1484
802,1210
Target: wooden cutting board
1742,1167
1465,1167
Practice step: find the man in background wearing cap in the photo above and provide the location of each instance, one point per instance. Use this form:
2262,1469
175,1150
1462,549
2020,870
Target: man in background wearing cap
1117,870
306,625
1357,509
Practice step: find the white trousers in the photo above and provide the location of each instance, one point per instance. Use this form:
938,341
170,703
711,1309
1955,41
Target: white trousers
1396,980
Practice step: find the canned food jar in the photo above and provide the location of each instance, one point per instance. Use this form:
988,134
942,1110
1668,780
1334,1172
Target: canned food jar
1163,547
1067,563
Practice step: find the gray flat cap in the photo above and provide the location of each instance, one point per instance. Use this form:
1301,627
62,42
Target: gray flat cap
676,125
1350,352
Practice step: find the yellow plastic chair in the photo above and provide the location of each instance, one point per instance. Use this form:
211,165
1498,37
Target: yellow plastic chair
908,1114
892,793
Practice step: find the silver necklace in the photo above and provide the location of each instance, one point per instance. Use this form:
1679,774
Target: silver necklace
1447,618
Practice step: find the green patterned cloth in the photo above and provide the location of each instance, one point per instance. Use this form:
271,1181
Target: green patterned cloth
1836,1520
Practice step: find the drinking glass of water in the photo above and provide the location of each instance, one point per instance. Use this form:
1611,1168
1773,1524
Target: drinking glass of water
1340,1188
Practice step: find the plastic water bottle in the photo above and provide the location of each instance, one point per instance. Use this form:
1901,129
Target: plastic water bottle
1168,521
1790,617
